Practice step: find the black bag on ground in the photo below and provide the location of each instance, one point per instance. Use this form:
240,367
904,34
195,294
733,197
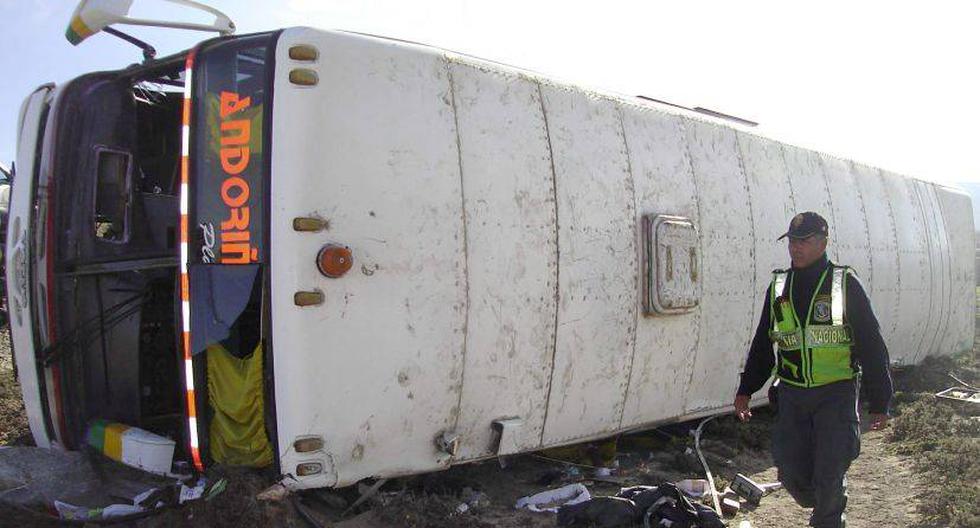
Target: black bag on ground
645,505
598,511
666,502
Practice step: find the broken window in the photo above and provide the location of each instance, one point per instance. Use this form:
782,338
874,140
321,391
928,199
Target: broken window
112,192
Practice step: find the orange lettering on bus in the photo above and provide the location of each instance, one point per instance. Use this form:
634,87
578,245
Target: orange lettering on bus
238,131
231,103
235,182
234,236
228,154
237,219
236,247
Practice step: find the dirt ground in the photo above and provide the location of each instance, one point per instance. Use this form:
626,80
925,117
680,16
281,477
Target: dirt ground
888,485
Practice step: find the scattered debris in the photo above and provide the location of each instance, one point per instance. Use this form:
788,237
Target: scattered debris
694,488
603,472
35,478
747,489
192,493
70,512
730,507
960,394
275,492
551,500
132,446
216,489
707,470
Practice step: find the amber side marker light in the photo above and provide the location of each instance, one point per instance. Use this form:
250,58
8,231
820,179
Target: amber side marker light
303,77
309,468
303,52
309,224
334,261
308,298
305,445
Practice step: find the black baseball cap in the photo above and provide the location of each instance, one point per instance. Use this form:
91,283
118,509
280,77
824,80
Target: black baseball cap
806,224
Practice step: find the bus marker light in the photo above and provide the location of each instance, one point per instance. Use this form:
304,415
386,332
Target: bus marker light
308,468
308,298
309,224
303,77
305,445
303,52
334,261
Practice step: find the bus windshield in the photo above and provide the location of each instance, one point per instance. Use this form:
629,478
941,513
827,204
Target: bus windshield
222,257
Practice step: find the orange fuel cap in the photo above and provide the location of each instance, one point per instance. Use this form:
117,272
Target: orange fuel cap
334,260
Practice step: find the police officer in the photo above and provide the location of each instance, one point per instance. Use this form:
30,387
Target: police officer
827,338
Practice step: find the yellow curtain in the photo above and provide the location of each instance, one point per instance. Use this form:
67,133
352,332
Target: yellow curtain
235,393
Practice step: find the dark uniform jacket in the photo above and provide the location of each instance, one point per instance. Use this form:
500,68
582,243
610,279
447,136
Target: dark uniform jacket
868,353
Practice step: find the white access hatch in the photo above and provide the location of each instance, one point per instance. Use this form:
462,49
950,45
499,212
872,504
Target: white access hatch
673,265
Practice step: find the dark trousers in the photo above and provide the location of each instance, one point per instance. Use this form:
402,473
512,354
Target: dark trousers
816,436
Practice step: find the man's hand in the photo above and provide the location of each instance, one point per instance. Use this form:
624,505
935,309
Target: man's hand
742,408
878,421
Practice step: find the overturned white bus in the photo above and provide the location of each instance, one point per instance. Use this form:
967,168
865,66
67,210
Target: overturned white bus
355,257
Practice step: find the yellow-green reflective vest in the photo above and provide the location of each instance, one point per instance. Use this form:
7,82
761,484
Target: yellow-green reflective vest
817,350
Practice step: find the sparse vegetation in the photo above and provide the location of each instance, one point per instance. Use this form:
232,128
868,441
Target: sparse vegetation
942,437
15,430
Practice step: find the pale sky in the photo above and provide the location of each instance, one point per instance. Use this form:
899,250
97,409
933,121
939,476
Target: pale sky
892,84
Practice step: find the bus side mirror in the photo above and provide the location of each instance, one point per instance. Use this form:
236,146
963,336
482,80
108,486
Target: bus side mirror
92,16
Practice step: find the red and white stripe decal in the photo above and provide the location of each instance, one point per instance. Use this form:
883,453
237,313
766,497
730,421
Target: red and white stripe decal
185,289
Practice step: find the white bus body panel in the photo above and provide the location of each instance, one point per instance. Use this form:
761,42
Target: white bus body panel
663,181
495,222
597,266
20,294
509,201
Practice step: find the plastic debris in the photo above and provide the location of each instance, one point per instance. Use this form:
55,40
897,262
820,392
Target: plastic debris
145,497
216,489
960,394
120,510
132,446
551,500
730,507
695,488
71,512
192,493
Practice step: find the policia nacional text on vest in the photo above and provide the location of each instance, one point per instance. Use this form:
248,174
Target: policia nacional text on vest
814,350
